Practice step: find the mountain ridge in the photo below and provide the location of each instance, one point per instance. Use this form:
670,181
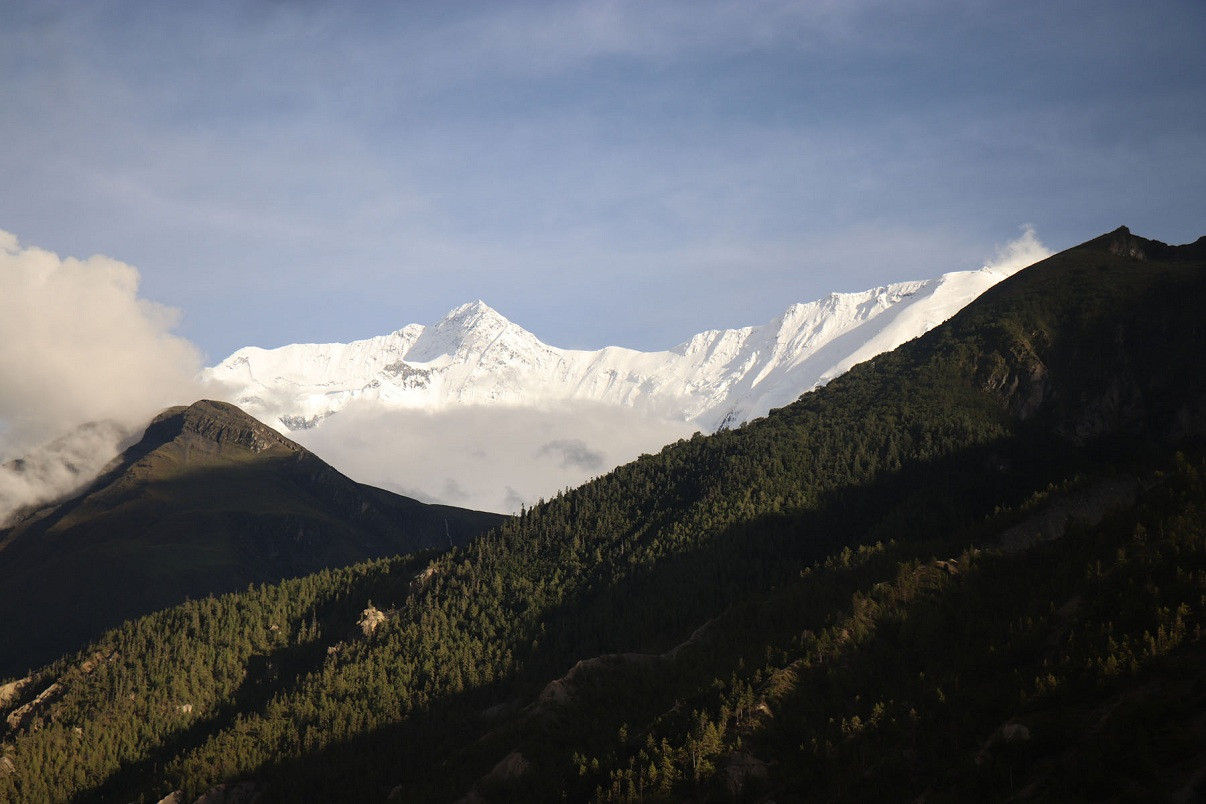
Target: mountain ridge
476,356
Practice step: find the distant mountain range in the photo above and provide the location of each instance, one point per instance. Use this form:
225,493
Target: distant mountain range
474,356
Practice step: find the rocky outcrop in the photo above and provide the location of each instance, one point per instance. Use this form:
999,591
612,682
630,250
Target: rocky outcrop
23,716
1021,384
11,691
1121,243
370,619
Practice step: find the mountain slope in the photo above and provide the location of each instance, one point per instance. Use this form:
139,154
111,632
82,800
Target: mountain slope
970,569
207,501
475,356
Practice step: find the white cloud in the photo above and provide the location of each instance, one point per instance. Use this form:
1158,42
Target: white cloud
492,458
78,345
61,466
1019,253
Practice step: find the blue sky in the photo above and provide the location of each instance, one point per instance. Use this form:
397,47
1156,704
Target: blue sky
600,172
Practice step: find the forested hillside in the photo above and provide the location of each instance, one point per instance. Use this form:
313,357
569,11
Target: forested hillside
970,569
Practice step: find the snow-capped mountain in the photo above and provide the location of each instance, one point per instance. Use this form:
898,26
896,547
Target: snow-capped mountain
474,356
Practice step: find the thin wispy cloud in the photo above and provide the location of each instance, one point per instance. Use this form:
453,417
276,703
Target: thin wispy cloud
370,164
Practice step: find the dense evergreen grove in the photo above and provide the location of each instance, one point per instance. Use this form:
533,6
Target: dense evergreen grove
833,602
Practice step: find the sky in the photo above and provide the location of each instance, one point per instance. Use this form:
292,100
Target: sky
605,172
180,180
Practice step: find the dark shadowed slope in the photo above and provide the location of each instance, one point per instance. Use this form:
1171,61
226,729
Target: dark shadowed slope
208,501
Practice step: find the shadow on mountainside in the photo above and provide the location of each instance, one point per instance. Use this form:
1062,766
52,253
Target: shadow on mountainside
931,510
210,530
680,646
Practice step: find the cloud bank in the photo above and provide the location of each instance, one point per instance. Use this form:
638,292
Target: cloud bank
493,458
78,345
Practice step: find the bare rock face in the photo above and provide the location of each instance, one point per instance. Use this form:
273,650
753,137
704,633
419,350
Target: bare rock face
11,691
369,620
27,715
22,716
1021,389
1124,244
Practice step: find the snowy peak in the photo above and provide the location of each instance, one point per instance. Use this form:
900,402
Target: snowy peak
473,314
475,356
473,328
